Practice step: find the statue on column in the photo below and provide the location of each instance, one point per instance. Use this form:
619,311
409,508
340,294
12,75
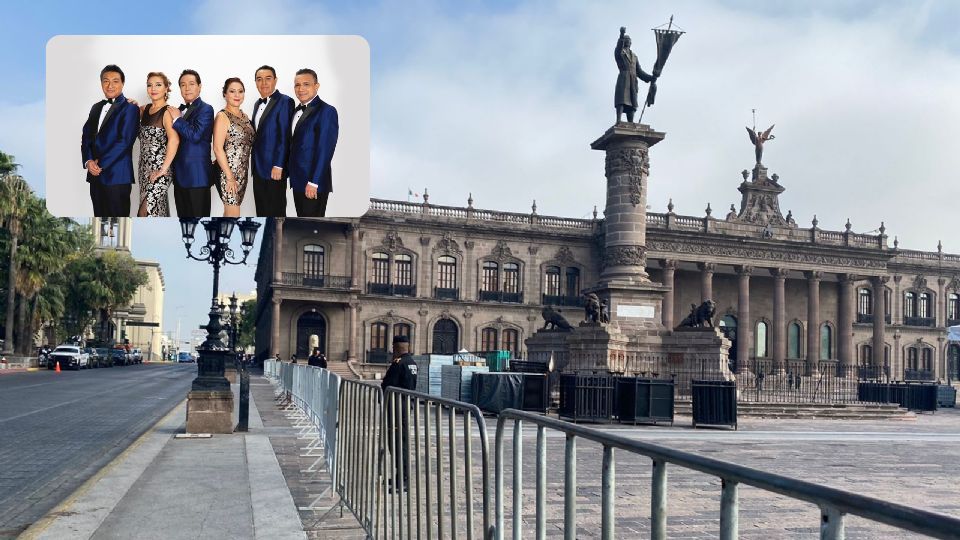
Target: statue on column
758,140
625,94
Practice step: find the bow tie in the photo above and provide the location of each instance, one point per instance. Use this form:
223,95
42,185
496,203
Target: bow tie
262,101
183,107
300,108
108,101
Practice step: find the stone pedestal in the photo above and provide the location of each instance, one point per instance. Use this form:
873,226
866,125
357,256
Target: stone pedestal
209,412
597,347
546,343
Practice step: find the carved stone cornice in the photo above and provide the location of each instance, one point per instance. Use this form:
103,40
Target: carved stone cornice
761,254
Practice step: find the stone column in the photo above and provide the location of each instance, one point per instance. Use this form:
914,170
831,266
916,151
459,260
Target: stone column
896,315
468,285
744,324
941,316
352,338
813,321
278,250
845,315
275,329
354,255
669,268
779,318
879,322
706,284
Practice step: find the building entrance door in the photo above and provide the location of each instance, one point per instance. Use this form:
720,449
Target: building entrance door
445,337
728,327
311,324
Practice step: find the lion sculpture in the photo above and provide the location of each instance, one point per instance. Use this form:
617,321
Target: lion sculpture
701,316
554,320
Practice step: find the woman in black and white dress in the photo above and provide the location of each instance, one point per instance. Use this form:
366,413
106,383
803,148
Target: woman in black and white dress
158,146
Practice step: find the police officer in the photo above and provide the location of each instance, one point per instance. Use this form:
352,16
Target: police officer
402,373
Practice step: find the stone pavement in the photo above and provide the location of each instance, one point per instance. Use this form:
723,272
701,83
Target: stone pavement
227,486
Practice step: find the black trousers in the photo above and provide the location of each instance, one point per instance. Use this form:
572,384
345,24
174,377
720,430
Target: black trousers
311,207
398,441
270,196
192,202
110,201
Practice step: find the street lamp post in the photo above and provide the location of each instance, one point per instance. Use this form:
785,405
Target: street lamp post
210,393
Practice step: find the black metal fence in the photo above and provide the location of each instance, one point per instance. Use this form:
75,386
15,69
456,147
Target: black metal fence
794,381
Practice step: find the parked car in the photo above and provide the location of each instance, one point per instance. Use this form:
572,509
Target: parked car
94,356
106,359
120,357
137,356
43,355
70,356
185,357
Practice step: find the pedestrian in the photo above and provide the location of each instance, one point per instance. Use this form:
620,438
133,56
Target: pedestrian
402,373
322,361
314,358
293,358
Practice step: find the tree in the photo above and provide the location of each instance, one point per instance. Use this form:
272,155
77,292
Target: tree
15,196
7,165
98,284
248,324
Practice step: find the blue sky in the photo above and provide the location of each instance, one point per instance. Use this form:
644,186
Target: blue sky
501,100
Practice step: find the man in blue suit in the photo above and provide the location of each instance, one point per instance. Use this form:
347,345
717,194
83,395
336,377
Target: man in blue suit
271,120
191,166
314,131
106,147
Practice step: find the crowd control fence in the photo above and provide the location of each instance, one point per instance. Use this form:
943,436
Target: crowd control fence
444,498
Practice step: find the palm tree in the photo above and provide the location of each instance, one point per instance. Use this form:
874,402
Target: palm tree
15,195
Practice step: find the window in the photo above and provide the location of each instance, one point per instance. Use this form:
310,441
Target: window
381,268
403,270
793,340
378,336
866,355
511,342
923,305
447,267
573,282
491,277
912,359
864,302
401,329
953,307
552,281
313,260
927,357
826,342
761,340
909,304
488,339
511,278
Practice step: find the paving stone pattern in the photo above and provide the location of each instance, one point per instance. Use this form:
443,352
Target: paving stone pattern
57,430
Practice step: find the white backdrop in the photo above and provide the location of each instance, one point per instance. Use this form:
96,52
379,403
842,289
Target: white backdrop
342,64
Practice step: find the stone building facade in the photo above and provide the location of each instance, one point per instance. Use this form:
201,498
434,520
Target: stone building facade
458,277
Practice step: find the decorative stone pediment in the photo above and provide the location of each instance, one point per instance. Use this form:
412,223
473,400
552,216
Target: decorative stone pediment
760,203
392,241
920,283
447,246
501,251
564,255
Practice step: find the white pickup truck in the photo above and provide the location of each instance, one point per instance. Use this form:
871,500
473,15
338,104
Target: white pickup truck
69,357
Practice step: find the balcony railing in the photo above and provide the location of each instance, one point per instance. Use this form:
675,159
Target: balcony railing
501,296
378,356
442,293
320,281
553,300
390,289
920,321
918,375
867,318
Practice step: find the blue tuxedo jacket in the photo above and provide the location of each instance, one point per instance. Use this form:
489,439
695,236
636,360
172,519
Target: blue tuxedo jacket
312,147
191,166
272,142
112,144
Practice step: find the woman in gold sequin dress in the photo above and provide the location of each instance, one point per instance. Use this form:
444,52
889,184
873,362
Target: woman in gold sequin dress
232,143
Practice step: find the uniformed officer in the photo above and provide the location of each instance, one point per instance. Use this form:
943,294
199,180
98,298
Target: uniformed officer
402,373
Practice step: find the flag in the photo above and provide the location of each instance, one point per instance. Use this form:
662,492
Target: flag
665,41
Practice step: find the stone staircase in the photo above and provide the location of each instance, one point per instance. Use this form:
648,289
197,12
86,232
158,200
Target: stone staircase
341,368
819,411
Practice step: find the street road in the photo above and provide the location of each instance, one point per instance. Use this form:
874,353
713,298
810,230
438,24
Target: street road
58,429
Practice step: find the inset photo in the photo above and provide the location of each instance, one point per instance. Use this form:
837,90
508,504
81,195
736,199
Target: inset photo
197,126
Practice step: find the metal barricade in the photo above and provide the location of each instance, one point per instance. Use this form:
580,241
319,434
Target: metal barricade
437,501
834,504
359,440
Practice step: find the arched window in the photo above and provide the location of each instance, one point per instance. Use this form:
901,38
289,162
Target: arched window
378,336
909,304
491,277
381,268
953,307
793,340
447,272
866,355
511,278
573,282
761,340
923,305
864,301
445,337
826,342
403,270
401,329
488,339
912,359
927,357
551,284
511,342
